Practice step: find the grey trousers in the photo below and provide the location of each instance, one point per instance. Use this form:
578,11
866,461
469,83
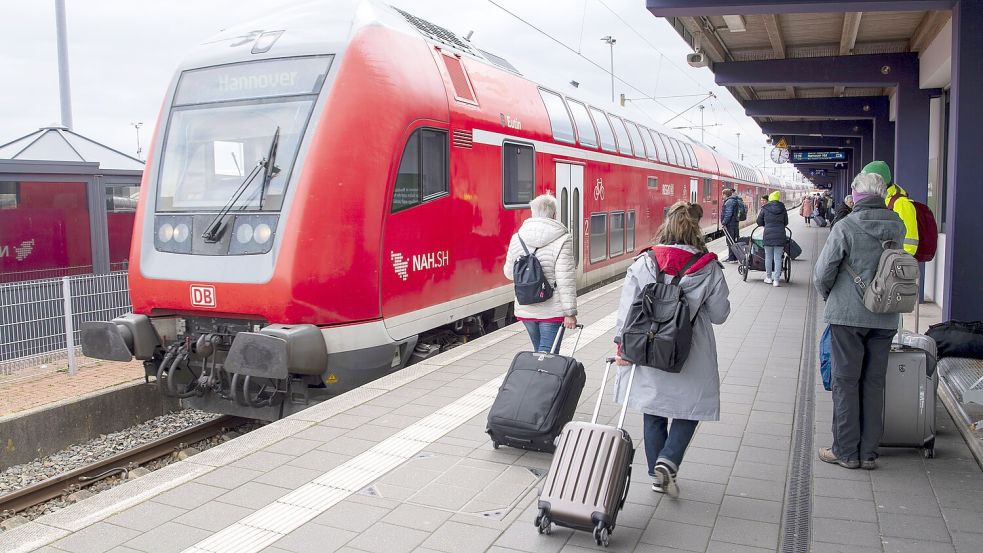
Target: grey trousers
859,358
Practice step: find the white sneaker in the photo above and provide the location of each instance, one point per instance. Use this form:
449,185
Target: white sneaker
774,283
767,280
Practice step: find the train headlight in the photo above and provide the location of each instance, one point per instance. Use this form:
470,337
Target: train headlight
181,233
166,232
173,233
244,234
253,234
262,233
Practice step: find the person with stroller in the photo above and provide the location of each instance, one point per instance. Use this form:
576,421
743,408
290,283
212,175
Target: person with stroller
549,241
805,210
673,403
774,218
860,338
730,218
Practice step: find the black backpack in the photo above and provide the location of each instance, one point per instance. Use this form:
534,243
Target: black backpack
658,330
741,211
531,285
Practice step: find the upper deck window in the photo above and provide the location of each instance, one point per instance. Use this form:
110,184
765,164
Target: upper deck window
636,139
660,148
649,145
585,128
559,117
605,130
226,120
692,156
670,152
624,144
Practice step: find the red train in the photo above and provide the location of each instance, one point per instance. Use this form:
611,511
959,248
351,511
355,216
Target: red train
331,199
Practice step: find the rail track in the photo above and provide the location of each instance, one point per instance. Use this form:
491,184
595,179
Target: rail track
79,478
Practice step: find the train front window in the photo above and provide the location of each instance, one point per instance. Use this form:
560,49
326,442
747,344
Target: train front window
221,127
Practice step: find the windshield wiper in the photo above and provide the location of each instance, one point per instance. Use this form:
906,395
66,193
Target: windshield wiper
270,170
213,233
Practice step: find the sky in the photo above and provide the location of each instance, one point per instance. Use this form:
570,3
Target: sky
123,55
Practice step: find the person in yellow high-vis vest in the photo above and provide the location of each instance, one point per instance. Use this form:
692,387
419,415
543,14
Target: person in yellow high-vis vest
901,204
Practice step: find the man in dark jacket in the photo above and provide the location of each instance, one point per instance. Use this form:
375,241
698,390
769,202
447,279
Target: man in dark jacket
774,218
729,219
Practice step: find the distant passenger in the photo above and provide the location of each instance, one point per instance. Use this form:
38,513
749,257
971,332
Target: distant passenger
774,218
693,394
763,200
897,199
730,220
549,241
844,209
805,210
861,339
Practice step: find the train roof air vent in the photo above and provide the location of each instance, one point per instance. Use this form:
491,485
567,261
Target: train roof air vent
462,138
437,33
499,61
459,77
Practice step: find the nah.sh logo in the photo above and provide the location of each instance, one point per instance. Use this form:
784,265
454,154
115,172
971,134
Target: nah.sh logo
202,295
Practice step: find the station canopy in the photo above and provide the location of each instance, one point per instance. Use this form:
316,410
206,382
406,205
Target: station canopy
58,144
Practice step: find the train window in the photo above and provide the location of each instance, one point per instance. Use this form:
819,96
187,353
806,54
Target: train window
630,232
422,169
604,129
660,148
653,182
598,237
636,140
692,156
707,188
670,153
518,174
680,158
585,128
9,195
617,233
624,143
649,145
122,199
559,116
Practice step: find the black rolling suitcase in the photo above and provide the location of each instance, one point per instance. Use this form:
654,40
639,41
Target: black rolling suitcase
538,396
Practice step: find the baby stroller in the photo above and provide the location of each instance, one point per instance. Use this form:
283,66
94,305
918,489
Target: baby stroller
750,253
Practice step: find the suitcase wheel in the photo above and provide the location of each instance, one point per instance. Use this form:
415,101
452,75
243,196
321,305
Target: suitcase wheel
929,450
495,444
602,536
543,522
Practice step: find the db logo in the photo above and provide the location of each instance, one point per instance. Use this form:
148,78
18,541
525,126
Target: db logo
202,295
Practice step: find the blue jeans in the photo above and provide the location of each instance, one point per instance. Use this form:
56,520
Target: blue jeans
773,261
666,443
542,334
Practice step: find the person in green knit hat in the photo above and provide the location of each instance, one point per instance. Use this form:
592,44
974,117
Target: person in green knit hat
897,200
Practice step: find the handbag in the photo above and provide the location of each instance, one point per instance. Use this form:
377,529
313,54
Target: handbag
826,358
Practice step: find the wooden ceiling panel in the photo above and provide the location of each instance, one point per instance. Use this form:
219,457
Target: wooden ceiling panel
888,26
807,29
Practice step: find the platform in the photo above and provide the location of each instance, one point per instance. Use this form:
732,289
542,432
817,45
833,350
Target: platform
403,463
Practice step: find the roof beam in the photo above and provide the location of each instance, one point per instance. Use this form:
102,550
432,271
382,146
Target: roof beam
680,8
857,107
858,128
774,29
872,70
927,29
848,37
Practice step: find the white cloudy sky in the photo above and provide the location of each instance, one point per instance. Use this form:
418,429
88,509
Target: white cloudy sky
123,54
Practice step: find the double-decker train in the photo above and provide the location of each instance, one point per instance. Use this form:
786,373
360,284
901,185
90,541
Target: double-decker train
331,191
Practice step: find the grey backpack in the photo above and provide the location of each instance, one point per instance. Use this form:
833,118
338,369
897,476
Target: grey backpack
894,288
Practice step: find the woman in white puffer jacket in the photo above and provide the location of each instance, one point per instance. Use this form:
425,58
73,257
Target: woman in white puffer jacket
554,249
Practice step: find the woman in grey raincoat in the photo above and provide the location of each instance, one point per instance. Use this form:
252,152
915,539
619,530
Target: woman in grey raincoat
693,394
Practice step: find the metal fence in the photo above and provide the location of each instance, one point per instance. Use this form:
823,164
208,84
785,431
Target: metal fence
40,320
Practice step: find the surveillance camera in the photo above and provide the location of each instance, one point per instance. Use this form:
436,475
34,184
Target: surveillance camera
697,59
768,141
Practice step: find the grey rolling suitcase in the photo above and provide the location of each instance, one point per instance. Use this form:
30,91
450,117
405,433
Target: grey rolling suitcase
588,480
910,393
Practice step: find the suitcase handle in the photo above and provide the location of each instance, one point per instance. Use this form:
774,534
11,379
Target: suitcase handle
600,395
559,338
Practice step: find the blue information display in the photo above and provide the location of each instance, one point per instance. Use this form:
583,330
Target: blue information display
818,155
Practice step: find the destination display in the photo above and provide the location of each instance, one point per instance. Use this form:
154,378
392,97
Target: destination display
818,155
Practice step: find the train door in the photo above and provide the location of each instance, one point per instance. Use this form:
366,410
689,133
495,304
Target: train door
694,191
570,193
